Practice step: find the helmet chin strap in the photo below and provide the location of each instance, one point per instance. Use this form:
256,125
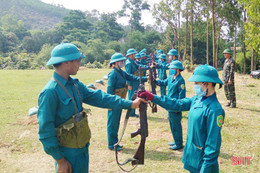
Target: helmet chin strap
206,88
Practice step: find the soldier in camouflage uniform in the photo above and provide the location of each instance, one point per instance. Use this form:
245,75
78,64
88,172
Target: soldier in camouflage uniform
228,78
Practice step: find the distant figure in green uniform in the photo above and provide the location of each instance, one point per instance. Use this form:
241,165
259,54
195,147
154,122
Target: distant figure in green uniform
228,78
206,117
132,67
162,75
172,56
176,89
63,124
117,86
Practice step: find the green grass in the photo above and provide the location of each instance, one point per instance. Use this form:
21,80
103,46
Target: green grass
21,151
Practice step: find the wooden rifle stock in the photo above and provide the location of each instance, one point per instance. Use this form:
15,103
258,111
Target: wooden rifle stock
143,132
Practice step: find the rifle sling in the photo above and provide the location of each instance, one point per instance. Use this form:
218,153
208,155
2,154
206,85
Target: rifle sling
121,136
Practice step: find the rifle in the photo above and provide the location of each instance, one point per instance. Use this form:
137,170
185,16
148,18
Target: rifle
142,131
152,78
138,157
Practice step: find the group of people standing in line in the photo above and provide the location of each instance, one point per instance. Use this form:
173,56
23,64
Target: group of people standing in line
63,123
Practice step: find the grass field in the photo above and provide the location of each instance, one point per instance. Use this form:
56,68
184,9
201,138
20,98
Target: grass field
21,151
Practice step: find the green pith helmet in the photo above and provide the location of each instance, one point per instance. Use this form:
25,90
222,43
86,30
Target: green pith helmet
227,51
100,82
205,73
91,85
131,51
163,56
137,56
117,57
142,55
173,52
159,52
143,50
176,64
64,52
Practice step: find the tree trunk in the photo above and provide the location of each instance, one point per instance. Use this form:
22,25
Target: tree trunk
191,34
186,36
235,43
257,60
207,56
213,32
244,45
216,55
175,37
179,38
253,60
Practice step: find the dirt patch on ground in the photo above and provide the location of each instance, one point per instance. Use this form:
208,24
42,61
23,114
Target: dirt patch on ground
28,120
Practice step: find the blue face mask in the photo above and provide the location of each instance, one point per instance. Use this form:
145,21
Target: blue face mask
198,90
173,72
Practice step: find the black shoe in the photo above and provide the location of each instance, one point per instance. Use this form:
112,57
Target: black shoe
118,148
171,143
232,106
175,147
135,115
227,105
121,146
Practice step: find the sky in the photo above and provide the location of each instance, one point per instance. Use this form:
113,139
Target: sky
104,6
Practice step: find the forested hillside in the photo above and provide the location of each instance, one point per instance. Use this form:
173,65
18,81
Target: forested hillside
34,13
198,30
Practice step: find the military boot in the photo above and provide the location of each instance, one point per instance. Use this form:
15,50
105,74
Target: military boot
232,105
228,104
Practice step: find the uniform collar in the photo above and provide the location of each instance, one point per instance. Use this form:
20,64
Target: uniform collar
209,99
130,59
119,70
61,79
177,77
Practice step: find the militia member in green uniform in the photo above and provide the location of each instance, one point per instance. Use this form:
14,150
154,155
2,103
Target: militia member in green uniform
206,116
63,125
176,89
228,78
132,67
117,86
162,75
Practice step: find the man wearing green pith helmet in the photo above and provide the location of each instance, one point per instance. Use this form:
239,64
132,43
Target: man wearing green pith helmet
229,78
63,124
117,86
131,67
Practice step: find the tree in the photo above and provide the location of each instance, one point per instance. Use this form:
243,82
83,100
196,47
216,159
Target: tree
252,28
165,12
135,7
109,27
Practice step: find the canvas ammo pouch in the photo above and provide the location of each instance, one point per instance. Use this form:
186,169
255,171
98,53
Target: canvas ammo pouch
121,92
75,132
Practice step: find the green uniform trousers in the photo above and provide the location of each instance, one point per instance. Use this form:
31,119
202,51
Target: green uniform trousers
230,92
113,122
79,160
176,127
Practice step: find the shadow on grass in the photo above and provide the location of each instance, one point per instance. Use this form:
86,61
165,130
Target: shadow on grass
155,155
225,156
157,119
249,109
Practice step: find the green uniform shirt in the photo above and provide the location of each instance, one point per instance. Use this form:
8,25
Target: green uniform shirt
55,107
206,117
117,79
131,67
228,70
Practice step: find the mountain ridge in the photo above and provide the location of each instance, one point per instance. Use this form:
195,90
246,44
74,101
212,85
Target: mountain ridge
34,13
